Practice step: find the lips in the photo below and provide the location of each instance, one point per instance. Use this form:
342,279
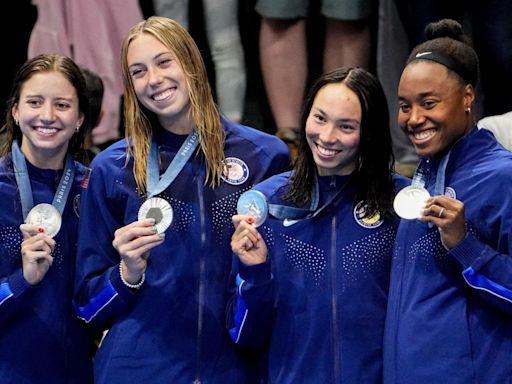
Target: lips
46,130
162,95
327,152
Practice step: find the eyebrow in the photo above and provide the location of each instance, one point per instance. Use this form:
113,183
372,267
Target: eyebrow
344,120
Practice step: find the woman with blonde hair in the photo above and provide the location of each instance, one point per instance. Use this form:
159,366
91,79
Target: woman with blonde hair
156,273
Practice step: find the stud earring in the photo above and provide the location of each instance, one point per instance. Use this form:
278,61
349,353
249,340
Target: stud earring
77,129
468,110
16,122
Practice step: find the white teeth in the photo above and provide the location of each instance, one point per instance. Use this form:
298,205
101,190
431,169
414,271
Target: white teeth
326,152
162,96
424,134
46,131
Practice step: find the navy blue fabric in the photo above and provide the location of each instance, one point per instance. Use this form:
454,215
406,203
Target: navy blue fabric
320,299
449,313
41,339
172,330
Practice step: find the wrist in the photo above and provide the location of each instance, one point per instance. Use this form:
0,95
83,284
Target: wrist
125,282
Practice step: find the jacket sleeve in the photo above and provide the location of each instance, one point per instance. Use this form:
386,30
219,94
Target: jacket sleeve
250,310
100,295
486,270
15,294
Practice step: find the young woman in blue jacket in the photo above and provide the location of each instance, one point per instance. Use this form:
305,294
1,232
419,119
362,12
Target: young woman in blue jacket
153,257
41,338
312,280
450,300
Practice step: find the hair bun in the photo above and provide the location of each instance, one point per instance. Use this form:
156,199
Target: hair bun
445,28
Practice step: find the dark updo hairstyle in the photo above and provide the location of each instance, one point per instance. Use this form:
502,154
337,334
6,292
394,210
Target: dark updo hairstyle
448,45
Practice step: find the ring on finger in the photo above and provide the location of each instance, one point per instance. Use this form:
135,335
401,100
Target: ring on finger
440,214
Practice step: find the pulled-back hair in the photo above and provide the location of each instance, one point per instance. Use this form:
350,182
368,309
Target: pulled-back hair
203,110
373,179
446,37
41,64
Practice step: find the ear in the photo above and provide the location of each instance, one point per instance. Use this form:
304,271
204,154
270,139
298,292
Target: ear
80,120
469,97
15,112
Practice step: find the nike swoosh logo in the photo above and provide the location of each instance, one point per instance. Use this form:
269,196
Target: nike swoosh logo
423,54
289,223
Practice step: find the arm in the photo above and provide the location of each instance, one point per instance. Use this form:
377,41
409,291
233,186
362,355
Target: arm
107,248
485,269
250,309
36,258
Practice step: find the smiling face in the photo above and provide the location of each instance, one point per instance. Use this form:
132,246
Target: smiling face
333,130
159,82
433,107
48,114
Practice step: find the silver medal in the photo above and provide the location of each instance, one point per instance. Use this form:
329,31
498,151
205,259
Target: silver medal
47,217
158,209
410,201
253,203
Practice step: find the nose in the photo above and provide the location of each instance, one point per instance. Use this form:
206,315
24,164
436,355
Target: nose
416,118
327,133
154,76
48,113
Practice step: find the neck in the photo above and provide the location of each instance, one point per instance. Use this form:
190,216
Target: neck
183,126
44,159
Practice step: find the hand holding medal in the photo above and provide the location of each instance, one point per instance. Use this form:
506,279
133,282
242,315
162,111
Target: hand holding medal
448,216
36,253
246,242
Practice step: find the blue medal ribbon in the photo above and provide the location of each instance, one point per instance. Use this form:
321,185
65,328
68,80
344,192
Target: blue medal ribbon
292,214
23,181
157,183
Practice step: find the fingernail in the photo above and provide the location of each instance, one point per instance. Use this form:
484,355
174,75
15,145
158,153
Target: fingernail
40,230
155,229
250,220
161,235
152,220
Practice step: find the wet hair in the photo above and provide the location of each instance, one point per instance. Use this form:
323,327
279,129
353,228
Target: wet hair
372,176
447,44
204,112
46,63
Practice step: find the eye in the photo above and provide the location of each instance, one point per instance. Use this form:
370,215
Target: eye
165,62
429,104
404,108
346,127
34,102
318,118
63,105
137,72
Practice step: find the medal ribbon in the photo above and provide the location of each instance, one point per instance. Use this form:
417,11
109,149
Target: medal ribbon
293,215
419,178
157,183
23,181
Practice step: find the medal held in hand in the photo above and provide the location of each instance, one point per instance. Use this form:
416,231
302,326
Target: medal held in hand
410,201
158,209
47,217
253,203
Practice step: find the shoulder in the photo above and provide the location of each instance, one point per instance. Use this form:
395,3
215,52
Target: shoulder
113,156
400,181
274,186
237,134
